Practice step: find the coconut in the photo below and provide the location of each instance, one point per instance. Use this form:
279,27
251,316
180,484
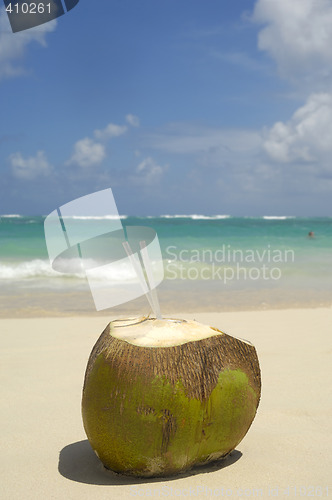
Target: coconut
161,396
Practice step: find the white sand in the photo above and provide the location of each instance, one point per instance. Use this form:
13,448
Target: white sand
287,452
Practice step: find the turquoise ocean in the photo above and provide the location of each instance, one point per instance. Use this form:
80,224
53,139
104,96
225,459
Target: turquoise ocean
211,263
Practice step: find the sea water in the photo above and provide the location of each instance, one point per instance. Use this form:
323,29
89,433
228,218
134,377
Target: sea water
210,263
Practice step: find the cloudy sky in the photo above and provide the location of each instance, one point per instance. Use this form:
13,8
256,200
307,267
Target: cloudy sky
180,106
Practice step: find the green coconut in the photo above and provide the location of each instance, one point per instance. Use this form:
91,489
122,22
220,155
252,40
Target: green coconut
161,396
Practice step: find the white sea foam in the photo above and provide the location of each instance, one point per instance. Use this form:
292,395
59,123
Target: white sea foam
95,217
174,216
278,217
70,268
36,268
11,216
207,217
25,270
195,217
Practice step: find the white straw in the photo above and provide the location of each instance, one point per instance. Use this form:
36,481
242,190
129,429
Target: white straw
149,273
136,265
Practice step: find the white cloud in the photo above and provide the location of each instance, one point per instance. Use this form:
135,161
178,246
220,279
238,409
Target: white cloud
291,157
306,136
298,36
87,153
148,171
133,120
13,45
30,168
110,131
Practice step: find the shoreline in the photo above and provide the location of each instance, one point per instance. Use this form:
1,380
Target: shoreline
80,304
142,309
42,314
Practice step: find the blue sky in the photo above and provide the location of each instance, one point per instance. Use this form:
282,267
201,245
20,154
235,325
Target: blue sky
181,107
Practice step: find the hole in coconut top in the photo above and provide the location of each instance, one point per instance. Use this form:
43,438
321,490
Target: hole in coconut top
166,332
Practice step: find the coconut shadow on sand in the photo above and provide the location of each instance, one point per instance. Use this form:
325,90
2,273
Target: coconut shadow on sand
78,462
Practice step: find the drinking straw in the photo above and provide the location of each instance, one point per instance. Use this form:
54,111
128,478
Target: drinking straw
139,272
149,273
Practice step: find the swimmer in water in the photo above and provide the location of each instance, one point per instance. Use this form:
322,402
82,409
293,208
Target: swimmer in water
311,234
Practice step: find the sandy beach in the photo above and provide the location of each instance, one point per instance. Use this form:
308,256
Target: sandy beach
286,453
